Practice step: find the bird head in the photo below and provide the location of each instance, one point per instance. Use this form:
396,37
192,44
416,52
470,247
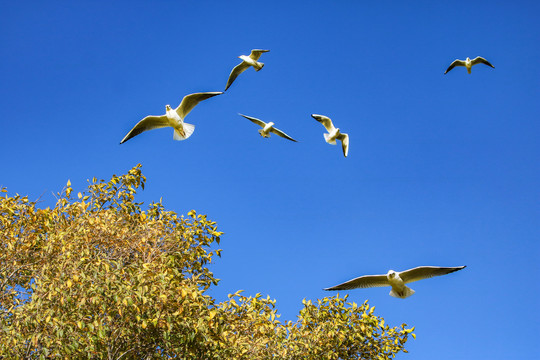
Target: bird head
391,274
168,107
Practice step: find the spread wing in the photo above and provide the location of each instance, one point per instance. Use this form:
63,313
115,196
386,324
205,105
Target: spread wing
327,123
282,134
426,272
148,123
455,63
256,53
481,60
189,102
254,120
344,143
365,281
237,70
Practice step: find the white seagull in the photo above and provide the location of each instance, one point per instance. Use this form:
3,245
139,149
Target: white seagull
468,63
267,128
396,280
247,61
333,133
172,118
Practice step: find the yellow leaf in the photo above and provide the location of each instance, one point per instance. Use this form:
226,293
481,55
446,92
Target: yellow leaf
69,183
414,336
79,195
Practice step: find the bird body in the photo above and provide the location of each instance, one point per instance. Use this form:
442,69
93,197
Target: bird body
468,63
399,289
173,118
251,62
247,61
396,280
267,128
176,123
333,133
265,132
332,136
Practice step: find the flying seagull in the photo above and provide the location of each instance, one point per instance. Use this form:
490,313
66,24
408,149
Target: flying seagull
334,133
468,63
247,61
267,128
396,280
173,118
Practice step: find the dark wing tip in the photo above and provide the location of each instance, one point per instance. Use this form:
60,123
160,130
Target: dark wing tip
457,268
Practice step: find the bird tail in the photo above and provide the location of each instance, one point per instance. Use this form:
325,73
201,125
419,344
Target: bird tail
261,131
188,130
259,66
326,137
405,293
469,70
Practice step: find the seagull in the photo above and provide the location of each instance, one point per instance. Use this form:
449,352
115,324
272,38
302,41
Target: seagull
173,118
267,128
247,61
396,280
334,133
468,63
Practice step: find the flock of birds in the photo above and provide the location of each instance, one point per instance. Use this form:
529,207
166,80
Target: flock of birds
182,131
175,118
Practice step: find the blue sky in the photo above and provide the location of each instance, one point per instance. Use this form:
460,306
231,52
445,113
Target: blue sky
442,169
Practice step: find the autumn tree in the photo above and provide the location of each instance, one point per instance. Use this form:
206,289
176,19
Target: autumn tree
98,277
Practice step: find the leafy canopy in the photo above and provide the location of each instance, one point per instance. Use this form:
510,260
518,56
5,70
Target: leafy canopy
98,277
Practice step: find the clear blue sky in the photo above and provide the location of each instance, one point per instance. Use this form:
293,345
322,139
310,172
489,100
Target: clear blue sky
442,170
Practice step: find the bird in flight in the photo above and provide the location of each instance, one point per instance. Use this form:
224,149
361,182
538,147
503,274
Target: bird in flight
333,133
396,280
267,128
468,63
173,118
247,61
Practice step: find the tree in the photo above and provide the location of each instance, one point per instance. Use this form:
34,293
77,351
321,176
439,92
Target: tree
98,277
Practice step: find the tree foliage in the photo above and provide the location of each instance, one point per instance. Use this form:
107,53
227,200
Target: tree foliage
99,277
